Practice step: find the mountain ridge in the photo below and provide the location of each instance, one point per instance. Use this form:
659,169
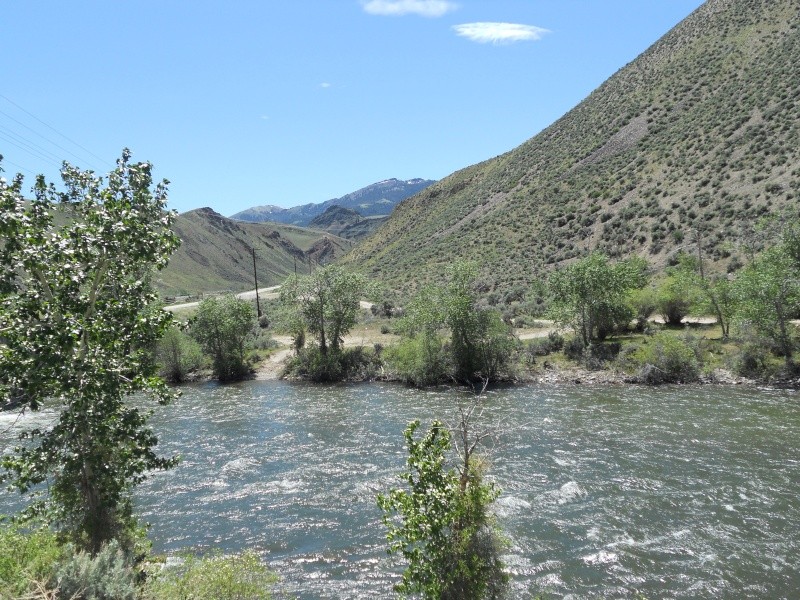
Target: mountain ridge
377,199
697,136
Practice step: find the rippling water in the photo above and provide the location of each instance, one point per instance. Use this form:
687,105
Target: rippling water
676,492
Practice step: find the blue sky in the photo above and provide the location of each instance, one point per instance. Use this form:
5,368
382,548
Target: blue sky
247,102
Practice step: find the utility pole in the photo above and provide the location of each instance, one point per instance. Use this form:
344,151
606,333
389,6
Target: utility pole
255,277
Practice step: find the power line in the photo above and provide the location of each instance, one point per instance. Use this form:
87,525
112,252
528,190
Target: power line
29,144
20,167
41,136
50,127
30,150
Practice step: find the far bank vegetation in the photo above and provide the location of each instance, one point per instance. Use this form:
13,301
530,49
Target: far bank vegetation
595,314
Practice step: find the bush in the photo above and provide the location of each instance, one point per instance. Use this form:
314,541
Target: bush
667,359
222,326
752,361
554,342
177,355
347,363
419,361
573,349
495,347
237,577
644,303
27,557
107,576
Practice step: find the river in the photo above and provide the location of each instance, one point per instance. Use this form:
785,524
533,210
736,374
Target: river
608,492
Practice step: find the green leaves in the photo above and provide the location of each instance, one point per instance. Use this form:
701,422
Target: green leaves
437,524
591,294
327,302
78,319
222,326
768,294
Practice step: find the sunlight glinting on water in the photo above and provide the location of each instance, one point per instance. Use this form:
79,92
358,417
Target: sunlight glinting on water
679,492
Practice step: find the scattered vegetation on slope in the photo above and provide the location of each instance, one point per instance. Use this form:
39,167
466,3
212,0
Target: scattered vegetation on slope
697,138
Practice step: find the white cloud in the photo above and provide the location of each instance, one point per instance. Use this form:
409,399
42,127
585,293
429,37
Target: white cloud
500,33
397,8
325,85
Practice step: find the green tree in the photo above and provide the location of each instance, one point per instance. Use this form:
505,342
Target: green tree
222,327
591,295
466,324
718,297
78,321
440,523
176,355
420,359
768,293
481,344
327,301
679,291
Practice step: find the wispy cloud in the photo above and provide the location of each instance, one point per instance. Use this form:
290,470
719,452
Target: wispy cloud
398,8
325,85
500,33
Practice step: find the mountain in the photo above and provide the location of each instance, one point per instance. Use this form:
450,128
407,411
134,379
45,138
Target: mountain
336,219
346,223
699,137
377,199
215,253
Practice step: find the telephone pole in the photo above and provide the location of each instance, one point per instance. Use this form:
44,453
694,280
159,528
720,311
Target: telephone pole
255,277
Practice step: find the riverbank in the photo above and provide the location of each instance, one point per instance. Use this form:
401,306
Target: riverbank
550,373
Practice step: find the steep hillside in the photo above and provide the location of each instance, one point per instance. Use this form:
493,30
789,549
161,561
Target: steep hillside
378,199
698,136
346,223
335,219
215,253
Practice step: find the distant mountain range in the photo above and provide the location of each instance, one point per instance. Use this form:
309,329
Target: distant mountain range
378,199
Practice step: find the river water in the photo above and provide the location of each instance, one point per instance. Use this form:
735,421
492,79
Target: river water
609,492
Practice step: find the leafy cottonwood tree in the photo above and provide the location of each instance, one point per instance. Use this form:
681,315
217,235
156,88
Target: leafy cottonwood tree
327,302
440,524
481,344
420,358
591,295
768,293
78,320
221,326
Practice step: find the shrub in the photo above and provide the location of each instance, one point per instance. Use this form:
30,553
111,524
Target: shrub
752,361
667,359
644,303
321,367
496,346
177,355
237,577
573,349
27,557
554,342
107,576
419,361
222,326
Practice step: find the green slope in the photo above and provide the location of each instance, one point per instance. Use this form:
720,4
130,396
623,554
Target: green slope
215,253
698,134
